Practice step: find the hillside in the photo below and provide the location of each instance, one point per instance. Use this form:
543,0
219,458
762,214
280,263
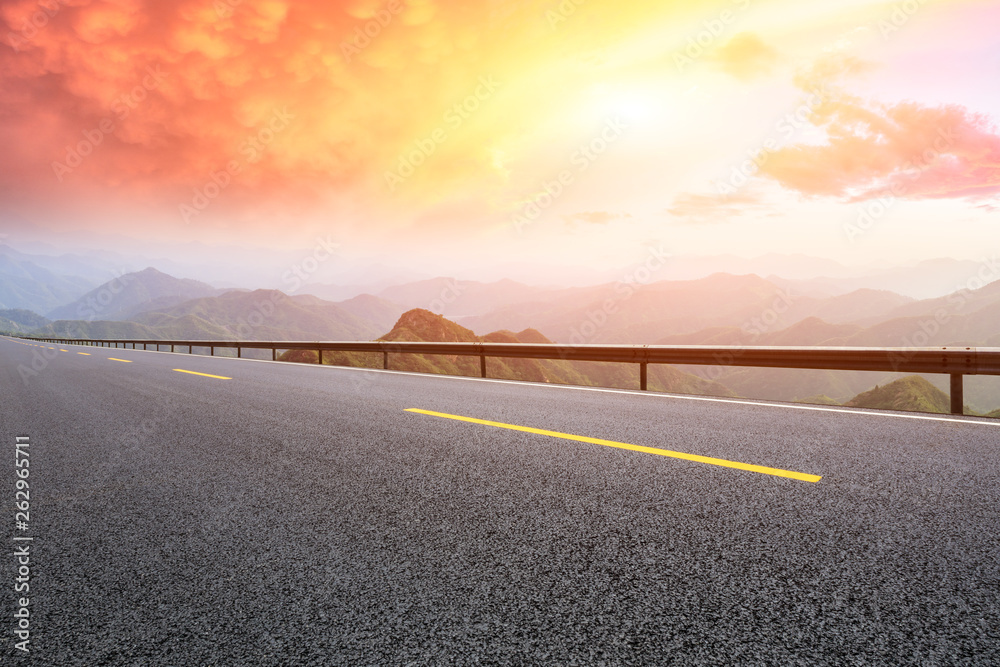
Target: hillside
958,326
809,331
972,321
820,399
20,320
96,329
422,325
25,283
382,313
911,393
233,315
646,314
259,315
962,301
132,293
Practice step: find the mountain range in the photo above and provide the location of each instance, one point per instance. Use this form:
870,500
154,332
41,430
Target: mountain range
721,309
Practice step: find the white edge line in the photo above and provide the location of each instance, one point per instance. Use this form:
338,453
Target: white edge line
873,412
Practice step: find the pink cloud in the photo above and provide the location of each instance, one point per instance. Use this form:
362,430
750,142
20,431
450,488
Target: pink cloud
908,150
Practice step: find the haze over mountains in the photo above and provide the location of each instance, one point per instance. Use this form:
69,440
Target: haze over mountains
85,261
61,296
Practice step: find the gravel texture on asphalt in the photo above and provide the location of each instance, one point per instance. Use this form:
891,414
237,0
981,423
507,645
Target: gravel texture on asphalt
298,515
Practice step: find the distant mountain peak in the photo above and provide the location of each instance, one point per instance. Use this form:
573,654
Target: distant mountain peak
131,293
420,324
533,336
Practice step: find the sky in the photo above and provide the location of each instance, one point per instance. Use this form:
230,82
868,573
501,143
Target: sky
439,134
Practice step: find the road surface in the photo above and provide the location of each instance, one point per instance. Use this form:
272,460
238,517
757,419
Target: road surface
305,515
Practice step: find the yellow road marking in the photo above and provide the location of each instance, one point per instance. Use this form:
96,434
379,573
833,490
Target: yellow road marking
777,472
217,377
62,350
122,360
84,353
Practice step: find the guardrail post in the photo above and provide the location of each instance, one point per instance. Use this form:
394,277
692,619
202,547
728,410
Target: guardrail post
171,347
642,375
239,352
482,365
957,398
385,360
274,354
319,356
212,353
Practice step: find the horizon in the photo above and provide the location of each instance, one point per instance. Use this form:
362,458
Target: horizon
939,276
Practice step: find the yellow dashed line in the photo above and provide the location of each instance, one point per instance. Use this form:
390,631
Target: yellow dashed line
217,377
777,472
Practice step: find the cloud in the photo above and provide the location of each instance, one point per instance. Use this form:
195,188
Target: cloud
831,69
595,217
227,66
746,56
698,208
906,150
868,150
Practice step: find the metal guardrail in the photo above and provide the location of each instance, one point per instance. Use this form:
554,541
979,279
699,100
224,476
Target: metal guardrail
954,361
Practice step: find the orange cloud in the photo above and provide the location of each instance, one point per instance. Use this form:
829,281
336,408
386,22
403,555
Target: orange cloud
746,56
696,208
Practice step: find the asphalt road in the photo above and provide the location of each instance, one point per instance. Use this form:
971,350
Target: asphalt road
300,515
